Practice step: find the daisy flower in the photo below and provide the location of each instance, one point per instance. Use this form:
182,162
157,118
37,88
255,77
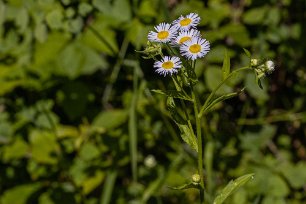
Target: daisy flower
168,65
164,33
190,21
195,48
186,35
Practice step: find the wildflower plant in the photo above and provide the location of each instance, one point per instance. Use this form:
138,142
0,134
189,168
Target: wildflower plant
185,45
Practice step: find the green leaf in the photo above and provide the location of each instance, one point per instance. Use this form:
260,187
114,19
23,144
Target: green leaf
186,186
254,89
188,136
121,10
118,10
93,182
100,36
41,32
17,150
111,119
48,50
77,59
226,68
213,77
8,86
89,151
55,19
247,52
255,15
19,194
84,8
137,33
258,82
43,146
186,133
220,99
295,174
22,20
237,33
174,94
231,187
277,186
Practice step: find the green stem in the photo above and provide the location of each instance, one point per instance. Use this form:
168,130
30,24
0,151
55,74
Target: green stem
200,149
199,138
102,39
133,126
180,88
115,72
217,88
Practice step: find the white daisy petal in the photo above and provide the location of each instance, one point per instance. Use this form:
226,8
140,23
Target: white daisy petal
183,36
195,48
185,23
165,32
168,65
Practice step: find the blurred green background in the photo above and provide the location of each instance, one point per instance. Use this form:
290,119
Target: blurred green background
79,124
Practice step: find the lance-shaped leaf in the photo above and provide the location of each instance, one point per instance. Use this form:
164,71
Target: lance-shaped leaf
247,52
257,79
173,94
220,99
226,68
186,133
231,187
188,136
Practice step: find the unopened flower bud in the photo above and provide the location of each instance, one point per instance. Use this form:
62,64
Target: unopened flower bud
196,178
152,50
254,62
270,66
150,161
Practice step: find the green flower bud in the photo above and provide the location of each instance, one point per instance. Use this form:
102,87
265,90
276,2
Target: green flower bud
196,178
152,50
254,62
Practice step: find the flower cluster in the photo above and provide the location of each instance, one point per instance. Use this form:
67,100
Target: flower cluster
182,35
262,68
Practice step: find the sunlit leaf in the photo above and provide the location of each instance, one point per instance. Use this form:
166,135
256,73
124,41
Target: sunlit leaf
93,182
111,118
19,194
43,146
89,151
54,19
231,187
16,150
84,8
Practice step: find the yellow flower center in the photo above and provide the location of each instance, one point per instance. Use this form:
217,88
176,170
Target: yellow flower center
185,21
195,48
184,39
162,35
168,65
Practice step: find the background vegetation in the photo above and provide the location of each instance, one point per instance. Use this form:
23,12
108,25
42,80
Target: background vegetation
78,123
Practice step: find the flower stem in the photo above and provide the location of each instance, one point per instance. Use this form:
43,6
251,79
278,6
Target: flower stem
217,88
200,146
199,138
